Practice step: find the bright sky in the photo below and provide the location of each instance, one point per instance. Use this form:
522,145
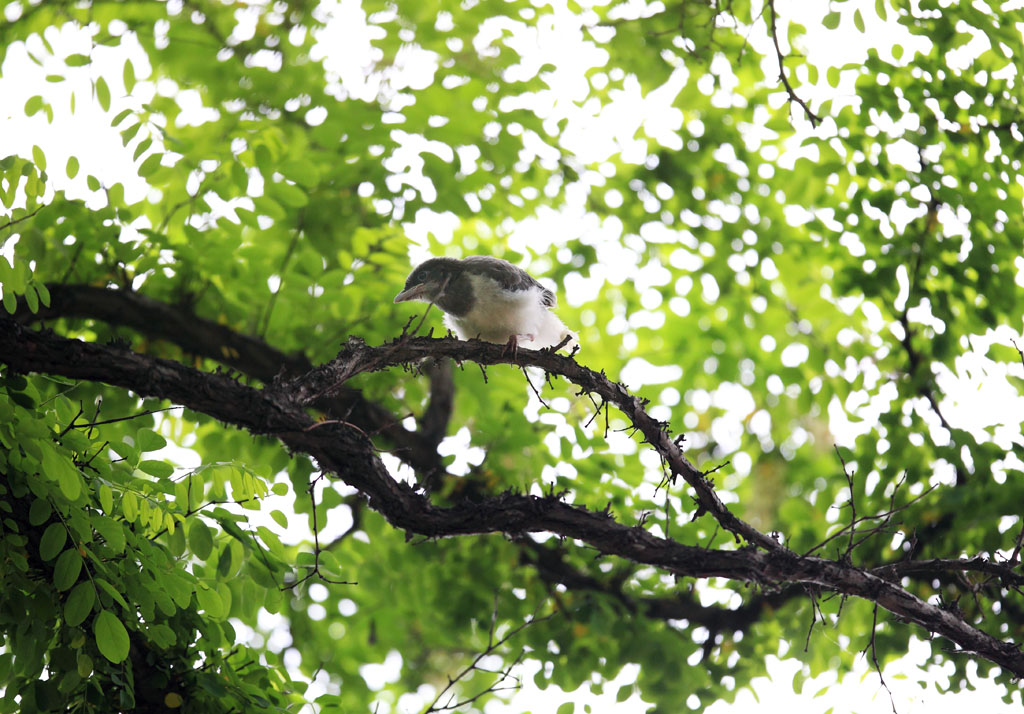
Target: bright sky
978,391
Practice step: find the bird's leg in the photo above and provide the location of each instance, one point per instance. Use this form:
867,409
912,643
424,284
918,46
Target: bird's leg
512,346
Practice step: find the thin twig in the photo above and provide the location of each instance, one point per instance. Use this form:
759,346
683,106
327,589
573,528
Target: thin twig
534,389
811,116
19,220
124,418
503,675
853,503
316,544
877,516
1016,550
874,658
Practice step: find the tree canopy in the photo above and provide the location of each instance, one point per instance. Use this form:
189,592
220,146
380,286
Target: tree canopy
232,467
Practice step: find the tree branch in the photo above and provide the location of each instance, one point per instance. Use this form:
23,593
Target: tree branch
249,355
346,451
358,357
549,562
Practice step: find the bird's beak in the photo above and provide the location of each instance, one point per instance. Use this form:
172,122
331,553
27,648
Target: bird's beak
416,292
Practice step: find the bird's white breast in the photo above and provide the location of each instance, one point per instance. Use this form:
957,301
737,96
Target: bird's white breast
497,314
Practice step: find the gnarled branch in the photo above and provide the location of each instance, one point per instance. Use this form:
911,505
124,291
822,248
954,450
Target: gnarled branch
346,451
249,355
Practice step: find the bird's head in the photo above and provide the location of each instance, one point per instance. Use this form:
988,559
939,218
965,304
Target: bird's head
429,280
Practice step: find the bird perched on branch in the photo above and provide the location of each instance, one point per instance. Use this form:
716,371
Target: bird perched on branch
489,299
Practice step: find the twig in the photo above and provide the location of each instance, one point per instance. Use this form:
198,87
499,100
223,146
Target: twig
815,611
1014,557
811,116
296,232
19,220
534,389
342,422
853,503
884,515
720,466
596,413
316,545
503,675
124,418
874,658
1019,351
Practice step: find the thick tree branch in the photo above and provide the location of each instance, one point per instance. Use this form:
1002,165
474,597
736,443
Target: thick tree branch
938,567
249,355
358,357
549,562
346,451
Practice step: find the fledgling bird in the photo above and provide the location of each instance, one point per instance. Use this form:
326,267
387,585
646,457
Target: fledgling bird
489,299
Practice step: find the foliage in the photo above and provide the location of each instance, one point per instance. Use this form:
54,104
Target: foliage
790,255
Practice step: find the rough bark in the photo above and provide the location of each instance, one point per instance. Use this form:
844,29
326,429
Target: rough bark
344,449
249,355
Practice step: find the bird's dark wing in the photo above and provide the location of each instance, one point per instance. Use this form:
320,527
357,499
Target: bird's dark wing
508,276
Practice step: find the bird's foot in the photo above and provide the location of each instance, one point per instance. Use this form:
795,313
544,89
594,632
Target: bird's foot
512,347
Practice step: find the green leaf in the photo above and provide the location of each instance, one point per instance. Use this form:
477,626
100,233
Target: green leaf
566,708
279,518
113,593
111,637
128,134
42,291
290,195
52,542
160,469
60,469
120,117
76,60
72,167
200,539
92,182
111,531
149,440
106,498
142,148
79,603
83,665
33,105
39,512
39,158
999,352
150,165
211,601
831,20
32,300
858,20
67,569
126,451
103,93
128,76
130,506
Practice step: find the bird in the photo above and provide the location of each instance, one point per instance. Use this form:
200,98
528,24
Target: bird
490,299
